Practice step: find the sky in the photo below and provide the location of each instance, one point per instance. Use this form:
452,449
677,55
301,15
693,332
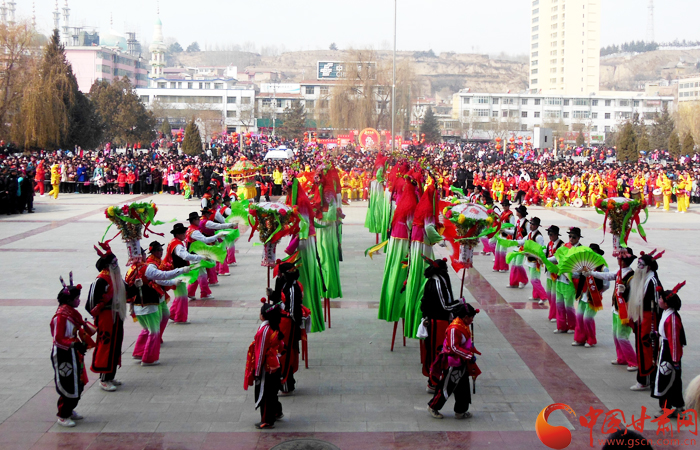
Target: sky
463,26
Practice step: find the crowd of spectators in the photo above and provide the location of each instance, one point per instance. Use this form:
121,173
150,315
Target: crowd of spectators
156,171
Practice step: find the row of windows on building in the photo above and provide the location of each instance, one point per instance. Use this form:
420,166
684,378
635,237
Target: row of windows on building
688,94
308,104
553,114
116,59
191,85
555,101
119,72
688,85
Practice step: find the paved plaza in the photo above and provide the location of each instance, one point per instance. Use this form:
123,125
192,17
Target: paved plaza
356,393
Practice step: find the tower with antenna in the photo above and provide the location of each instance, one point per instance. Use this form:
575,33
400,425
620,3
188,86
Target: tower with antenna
650,23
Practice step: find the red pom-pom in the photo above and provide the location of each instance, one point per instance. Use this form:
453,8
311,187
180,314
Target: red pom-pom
263,300
80,286
626,207
477,311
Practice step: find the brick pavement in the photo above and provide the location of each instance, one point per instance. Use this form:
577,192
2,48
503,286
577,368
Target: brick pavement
355,393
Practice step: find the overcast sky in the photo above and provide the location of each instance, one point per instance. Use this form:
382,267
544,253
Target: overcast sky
441,25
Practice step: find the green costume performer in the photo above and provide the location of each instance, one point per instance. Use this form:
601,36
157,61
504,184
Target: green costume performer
393,297
309,269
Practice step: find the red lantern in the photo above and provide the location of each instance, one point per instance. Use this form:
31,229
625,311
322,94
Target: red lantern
561,139
498,147
498,139
248,135
529,138
179,139
512,139
520,138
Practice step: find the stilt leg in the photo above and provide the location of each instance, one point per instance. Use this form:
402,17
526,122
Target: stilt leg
393,337
403,325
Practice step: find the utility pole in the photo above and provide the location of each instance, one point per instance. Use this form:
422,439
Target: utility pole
393,88
650,23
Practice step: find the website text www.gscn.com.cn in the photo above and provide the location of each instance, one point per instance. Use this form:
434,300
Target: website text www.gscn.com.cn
633,443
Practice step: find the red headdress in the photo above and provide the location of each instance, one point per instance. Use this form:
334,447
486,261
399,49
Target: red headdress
427,207
407,203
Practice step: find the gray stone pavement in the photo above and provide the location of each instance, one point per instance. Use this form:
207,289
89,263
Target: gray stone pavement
354,383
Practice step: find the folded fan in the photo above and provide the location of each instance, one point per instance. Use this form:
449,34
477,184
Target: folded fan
581,259
214,252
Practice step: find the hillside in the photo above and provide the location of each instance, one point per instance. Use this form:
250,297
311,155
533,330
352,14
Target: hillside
630,72
444,74
440,76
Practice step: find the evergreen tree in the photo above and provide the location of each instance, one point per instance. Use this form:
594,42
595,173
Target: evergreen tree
688,145
430,127
166,129
643,144
333,47
126,120
661,130
87,127
175,48
193,47
294,121
674,145
627,144
192,143
580,140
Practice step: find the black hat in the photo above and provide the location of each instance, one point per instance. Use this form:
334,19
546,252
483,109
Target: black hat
286,267
227,198
522,209
596,248
178,228
505,203
535,221
194,215
553,229
154,247
575,232
627,255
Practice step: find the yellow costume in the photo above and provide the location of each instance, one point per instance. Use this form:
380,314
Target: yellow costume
355,185
55,180
497,188
666,187
689,189
681,195
345,185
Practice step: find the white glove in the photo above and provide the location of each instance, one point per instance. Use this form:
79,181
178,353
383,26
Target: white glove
621,289
138,282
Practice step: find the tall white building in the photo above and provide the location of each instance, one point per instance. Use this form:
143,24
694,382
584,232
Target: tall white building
157,50
565,47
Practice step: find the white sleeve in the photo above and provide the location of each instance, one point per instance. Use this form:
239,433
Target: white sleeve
187,256
198,236
605,275
167,282
155,274
219,218
216,226
539,239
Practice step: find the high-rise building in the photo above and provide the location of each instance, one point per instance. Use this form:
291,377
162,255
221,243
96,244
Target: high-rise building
565,46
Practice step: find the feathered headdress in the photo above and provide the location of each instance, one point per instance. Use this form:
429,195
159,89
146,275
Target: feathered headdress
67,288
105,246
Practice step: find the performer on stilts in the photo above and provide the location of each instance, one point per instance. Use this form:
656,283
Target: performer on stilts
392,299
424,235
329,232
310,264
